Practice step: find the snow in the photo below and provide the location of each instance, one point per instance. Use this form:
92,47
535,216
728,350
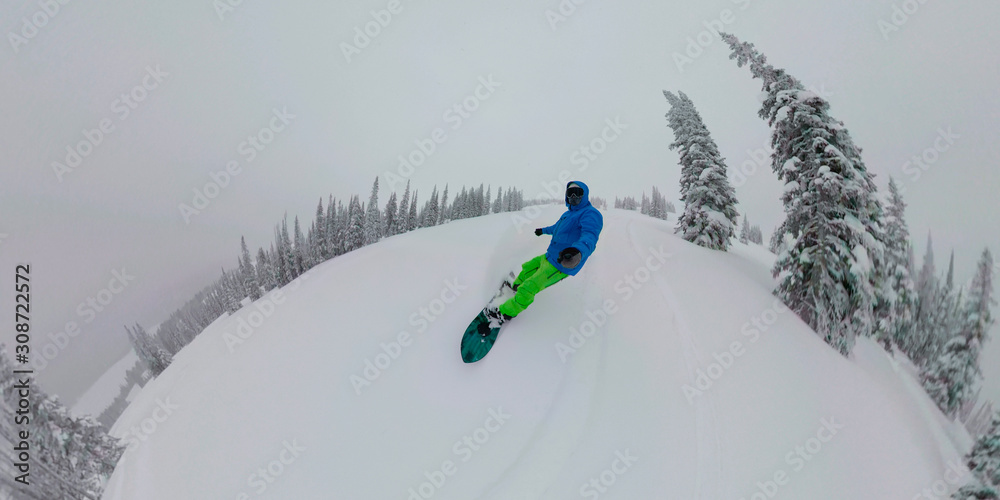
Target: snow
805,95
105,389
662,366
862,265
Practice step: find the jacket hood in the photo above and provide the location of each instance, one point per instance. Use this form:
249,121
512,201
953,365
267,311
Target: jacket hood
585,202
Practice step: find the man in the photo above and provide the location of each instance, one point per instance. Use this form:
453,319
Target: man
574,237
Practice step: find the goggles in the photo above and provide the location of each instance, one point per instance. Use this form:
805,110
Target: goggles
574,195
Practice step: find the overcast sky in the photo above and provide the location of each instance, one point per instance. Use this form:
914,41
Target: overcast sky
206,82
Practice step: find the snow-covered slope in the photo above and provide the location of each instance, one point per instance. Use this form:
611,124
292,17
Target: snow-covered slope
106,388
591,392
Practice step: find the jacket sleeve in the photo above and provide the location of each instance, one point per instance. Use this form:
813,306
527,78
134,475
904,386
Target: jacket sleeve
591,224
550,230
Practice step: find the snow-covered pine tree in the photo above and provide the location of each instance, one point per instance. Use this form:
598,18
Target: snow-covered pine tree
301,251
976,490
319,245
430,214
248,273
709,218
660,205
487,206
901,293
278,265
445,215
950,304
373,219
228,293
71,457
391,209
745,231
356,226
978,421
411,218
291,266
951,377
832,240
236,288
925,327
403,217
984,463
498,204
148,350
214,302
459,206
644,207
984,458
627,203
332,228
756,236
343,226
949,280
265,276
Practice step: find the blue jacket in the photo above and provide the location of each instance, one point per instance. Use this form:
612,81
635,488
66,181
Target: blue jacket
579,227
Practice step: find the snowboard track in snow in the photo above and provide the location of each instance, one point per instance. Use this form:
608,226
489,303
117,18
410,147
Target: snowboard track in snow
557,436
710,476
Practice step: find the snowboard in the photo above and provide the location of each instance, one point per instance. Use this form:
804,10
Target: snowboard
482,333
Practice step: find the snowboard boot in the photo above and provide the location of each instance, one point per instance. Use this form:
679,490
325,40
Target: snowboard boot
495,317
508,282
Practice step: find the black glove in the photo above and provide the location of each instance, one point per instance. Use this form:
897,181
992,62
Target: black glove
569,257
538,232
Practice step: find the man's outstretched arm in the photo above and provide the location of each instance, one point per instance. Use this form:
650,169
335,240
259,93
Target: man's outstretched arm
546,230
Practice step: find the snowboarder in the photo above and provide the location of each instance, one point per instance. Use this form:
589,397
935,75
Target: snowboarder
574,237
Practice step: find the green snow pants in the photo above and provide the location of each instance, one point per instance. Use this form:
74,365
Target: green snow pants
536,275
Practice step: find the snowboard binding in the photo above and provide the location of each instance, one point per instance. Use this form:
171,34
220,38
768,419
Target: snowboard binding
482,332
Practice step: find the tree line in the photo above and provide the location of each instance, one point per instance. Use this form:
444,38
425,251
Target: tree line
844,258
